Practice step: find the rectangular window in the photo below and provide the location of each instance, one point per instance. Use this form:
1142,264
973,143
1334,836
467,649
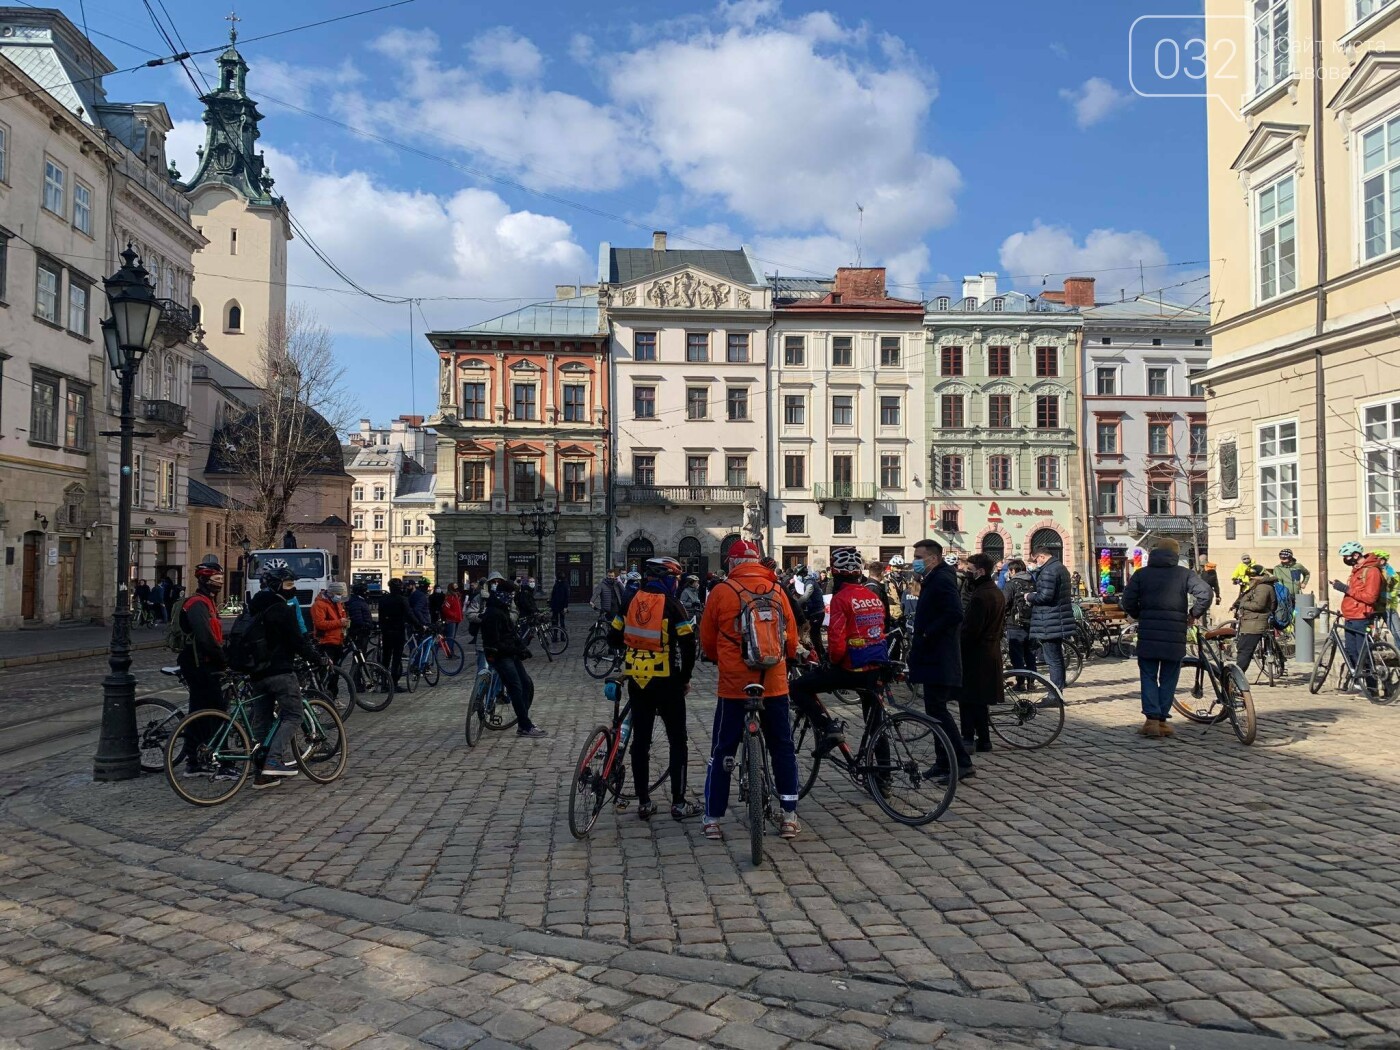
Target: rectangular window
474,481
951,472
575,482
575,403
473,400
1366,8
1199,442
999,411
889,351
797,524
795,351
842,351
43,411
891,471
1380,432
77,307
999,473
1106,437
842,525
794,410
523,399
948,520
379,493
1196,389
736,471
1159,438
82,207
737,404
1106,381
1107,498
75,419
53,187
1277,239
357,551
644,470
998,360
794,470
357,520
697,402
525,478
697,471
1380,189
379,521
889,411
843,473
891,524
1047,473
1157,382
644,346
357,493
379,552
1199,500
48,281
1278,479
1047,412
644,402
1159,497
737,348
407,527
167,485
843,412
697,346
1047,361
1272,58
951,361
233,250
954,411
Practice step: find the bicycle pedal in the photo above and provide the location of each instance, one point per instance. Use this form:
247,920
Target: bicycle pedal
621,805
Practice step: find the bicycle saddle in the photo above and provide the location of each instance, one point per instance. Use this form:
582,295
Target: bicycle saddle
1218,633
891,668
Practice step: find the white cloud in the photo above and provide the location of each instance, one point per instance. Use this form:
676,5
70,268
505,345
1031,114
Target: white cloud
503,50
581,48
1094,100
1109,255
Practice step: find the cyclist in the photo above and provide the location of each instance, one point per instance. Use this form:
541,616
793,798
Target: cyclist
1240,577
1212,578
1391,598
856,647
1363,593
361,619
721,641
1256,605
451,611
436,597
418,601
690,597
507,653
395,617
202,661
526,605
1292,574
329,621
275,683
657,635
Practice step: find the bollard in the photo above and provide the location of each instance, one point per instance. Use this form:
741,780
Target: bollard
1303,628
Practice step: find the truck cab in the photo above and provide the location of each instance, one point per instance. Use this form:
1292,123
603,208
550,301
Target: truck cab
315,569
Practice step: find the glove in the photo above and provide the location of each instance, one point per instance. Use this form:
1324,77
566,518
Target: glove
1338,585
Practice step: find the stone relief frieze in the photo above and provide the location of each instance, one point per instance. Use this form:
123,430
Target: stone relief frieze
686,290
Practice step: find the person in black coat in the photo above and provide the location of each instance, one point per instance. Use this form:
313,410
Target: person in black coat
507,654
395,617
935,650
559,602
525,604
1052,611
981,652
1165,598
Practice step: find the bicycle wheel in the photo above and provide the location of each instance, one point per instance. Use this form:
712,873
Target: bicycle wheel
753,763
432,673
589,790
1322,665
207,758
804,743
1074,663
476,709
343,698
904,784
412,672
500,712
1031,717
1387,669
318,743
1239,708
156,719
554,640
374,690
451,657
599,658
1204,705
1278,663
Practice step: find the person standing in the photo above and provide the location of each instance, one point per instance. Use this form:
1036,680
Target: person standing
507,654
174,590
1211,577
981,653
141,594
329,621
202,662
1165,598
607,597
435,600
361,619
559,602
1292,573
1052,611
395,617
1363,591
418,601
690,598
1255,605
525,604
451,612
935,649
158,602
1019,583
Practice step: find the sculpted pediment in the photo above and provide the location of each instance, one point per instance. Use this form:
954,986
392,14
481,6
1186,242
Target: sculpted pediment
687,289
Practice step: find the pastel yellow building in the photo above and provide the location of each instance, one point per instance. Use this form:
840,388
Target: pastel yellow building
1303,389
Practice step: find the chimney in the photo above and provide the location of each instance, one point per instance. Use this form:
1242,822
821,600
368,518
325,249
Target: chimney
588,289
859,282
989,285
658,241
972,287
564,291
1079,291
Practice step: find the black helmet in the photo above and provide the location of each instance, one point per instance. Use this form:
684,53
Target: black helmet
278,575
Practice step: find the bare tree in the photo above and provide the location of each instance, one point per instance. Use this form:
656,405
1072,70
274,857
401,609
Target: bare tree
292,433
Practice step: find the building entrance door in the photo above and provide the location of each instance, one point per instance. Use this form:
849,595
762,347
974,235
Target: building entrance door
472,566
793,557
67,579
576,569
693,563
32,579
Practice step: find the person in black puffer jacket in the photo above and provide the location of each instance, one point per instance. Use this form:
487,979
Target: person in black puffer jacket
500,640
1019,583
1165,598
275,684
1052,611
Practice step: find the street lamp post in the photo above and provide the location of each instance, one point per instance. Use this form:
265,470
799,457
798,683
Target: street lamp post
539,523
127,335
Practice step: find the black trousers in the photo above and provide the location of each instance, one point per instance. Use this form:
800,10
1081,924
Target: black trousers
666,700
1245,644
975,717
206,694
936,698
392,643
336,653
826,679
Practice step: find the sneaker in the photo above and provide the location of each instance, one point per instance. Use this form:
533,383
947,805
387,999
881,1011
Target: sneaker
534,732
275,767
646,811
1164,728
684,810
1149,727
789,829
227,771
712,830
261,781
193,770
984,745
964,773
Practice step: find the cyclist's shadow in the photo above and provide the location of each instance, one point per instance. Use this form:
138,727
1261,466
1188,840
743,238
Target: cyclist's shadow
1285,728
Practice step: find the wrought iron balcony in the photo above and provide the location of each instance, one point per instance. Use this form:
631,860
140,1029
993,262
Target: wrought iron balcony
677,495
176,324
166,414
1171,524
845,491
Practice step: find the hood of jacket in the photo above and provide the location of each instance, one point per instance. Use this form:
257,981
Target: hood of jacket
748,573
1162,558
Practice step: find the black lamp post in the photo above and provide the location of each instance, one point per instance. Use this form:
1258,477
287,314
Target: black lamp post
539,523
127,335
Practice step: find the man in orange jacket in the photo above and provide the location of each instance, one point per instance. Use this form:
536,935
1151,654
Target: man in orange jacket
1362,602
721,644
328,620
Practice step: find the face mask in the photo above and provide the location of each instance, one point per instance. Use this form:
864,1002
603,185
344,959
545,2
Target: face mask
918,564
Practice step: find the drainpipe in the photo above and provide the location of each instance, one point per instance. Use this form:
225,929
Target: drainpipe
1319,377
769,393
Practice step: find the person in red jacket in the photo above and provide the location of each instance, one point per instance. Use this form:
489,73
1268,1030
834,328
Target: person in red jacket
451,611
1363,597
202,660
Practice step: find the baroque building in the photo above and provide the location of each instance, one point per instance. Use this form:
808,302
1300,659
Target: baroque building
522,430
1003,419
381,461
846,400
1303,389
689,356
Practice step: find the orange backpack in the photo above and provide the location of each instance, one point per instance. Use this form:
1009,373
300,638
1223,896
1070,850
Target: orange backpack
762,627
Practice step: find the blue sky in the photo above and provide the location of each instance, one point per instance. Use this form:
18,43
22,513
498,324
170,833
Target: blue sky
976,137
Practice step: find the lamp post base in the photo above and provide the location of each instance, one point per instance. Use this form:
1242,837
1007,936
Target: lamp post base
118,757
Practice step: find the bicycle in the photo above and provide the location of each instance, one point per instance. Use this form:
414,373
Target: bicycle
756,787
156,720
886,759
374,690
219,746
1376,671
484,709
1229,698
143,615
1074,659
449,654
421,662
331,681
601,769
1273,665
553,638
600,659
1025,721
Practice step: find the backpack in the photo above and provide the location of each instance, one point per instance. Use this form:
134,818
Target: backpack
762,628
815,609
177,638
1283,607
247,648
645,627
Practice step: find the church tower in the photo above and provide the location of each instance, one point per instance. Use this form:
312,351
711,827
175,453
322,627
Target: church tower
240,279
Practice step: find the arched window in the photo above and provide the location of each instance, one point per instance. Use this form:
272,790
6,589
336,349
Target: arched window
233,317
1049,538
169,376
943,302
994,546
688,552
196,311
638,551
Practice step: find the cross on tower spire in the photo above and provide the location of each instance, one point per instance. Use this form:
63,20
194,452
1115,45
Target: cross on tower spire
232,19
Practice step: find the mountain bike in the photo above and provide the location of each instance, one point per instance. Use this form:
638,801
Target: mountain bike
374,689
600,659
601,770
421,662
331,681
1269,657
449,654
756,787
552,637
1376,672
900,760
485,709
143,615
1228,698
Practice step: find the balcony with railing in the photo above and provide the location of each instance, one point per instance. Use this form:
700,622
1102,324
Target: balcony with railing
685,495
1170,524
164,415
845,491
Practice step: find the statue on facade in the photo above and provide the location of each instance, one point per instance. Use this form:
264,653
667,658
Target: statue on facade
752,529
445,385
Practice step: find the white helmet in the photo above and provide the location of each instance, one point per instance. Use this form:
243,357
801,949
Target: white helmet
897,562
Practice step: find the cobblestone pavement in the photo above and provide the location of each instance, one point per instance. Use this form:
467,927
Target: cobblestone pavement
1191,881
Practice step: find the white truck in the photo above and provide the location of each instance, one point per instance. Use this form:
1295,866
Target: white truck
315,569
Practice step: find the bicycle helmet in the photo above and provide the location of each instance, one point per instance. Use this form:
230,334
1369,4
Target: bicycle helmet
275,577
1382,555
897,562
634,576
661,567
1351,547
208,567
847,560
1256,570
1285,554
